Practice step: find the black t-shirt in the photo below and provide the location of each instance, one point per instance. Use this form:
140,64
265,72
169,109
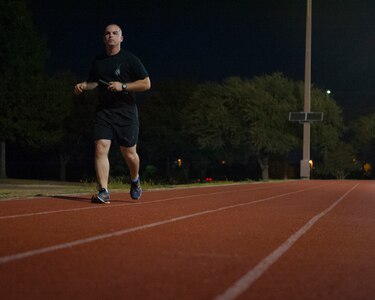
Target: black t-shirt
123,67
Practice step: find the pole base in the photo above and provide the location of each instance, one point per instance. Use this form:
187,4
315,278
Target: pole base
305,169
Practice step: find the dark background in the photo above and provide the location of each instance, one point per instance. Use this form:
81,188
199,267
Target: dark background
211,40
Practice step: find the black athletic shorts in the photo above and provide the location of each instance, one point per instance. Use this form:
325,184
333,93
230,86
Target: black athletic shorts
115,128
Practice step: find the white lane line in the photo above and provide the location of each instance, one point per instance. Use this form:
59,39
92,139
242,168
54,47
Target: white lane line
26,254
125,204
244,283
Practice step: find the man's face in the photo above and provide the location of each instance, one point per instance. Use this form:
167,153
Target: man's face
112,36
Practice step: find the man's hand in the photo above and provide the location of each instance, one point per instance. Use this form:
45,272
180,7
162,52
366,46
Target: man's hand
115,86
80,87
84,86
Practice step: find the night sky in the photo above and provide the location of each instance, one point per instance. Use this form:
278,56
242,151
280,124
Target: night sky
212,40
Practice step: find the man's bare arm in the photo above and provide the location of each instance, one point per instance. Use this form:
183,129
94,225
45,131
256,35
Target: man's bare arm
84,86
135,86
139,85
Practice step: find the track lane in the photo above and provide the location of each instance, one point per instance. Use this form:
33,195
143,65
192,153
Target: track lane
248,279
44,205
50,230
334,261
187,259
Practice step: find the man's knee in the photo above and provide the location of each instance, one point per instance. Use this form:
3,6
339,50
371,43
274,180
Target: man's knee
102,147
129,153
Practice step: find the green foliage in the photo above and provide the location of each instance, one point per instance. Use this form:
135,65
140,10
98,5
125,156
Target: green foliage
362,136
22,57
325,135
76,128
338,163
244,114
161,118
265,115
51,102
162,140
208,118
243,117
23,52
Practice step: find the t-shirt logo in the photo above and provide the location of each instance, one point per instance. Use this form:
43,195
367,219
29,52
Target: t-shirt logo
118,70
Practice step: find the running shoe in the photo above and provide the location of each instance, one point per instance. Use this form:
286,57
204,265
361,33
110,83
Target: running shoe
101,197
135,189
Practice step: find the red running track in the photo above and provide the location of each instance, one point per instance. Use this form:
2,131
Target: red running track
288,240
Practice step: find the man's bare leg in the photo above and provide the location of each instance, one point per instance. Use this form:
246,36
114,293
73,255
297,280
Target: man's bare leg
101,162
132,160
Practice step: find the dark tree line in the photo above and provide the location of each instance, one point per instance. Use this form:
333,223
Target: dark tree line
236,124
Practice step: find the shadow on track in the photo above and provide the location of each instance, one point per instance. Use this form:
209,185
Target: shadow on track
88,200
73,198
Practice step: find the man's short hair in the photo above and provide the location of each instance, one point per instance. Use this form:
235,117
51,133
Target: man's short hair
113,24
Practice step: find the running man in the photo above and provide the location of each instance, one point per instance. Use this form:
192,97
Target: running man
118,74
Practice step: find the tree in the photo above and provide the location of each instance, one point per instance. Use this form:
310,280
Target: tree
67,121
51,101
265,118
339,163
210,125
22,57
162,141
362,137
77,128
243,117
326,138
325,135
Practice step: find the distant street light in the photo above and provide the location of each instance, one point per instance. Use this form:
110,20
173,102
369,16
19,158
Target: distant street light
179,162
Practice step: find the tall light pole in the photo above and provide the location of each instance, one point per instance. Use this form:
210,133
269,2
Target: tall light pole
305,165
